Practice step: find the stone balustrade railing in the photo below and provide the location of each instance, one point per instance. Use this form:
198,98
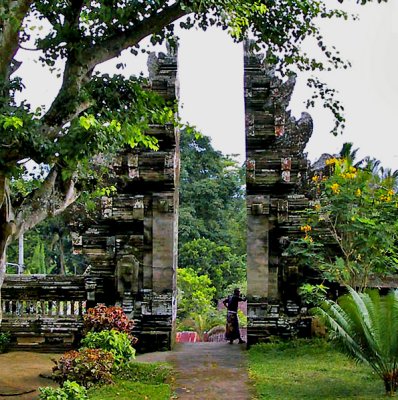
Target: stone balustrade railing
39,309
44,312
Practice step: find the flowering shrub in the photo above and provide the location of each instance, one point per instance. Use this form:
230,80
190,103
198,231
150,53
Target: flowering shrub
103,318
86,367
69,391
350,232
117,343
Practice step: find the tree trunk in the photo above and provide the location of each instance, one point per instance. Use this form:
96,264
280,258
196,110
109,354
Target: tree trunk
21,257
7,228
2,274
391,382
61,256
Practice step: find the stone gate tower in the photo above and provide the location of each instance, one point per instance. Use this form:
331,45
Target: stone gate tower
132,246
276,170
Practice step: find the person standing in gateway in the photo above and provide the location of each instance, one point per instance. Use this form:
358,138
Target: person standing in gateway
232,331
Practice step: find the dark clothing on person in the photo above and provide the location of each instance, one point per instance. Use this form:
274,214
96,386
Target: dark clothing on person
232,327
233,302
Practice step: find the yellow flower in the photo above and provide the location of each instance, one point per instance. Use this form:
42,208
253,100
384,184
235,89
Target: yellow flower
331,161
305,228
385,198
317,207
352,169
315,178
348,175
390,192
335,188
358,192
308,238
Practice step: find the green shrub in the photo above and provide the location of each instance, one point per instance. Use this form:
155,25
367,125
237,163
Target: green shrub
86,367
69,391
5,340
103,318
149,373
117,343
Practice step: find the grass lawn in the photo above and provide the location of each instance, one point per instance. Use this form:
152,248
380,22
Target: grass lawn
137,381
310,370
126,390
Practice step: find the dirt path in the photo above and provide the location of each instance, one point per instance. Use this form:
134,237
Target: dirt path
19,373
207,371
204,371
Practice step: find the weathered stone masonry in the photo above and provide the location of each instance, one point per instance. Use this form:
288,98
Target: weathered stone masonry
276,171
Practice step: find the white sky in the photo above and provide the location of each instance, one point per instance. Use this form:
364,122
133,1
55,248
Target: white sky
211,79
369,90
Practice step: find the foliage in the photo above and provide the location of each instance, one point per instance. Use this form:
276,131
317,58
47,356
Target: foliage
102,318
311,370
218,262
212,204
351,232
117,343
242,319
38,263
313,293
87,367
365,327
5,340
68,391
196,311
195,293
212,213
54,236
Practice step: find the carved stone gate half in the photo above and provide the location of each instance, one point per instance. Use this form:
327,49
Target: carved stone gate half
132,246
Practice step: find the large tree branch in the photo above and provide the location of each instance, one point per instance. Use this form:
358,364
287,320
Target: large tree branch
7,226
79,68
50,199
9,33
113,46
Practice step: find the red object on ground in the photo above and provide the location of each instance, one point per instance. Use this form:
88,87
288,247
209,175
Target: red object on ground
187,337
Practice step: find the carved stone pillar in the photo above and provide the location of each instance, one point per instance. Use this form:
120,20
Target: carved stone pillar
257,246
163,235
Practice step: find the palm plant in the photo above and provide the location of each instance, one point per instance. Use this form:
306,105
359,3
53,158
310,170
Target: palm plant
365,326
